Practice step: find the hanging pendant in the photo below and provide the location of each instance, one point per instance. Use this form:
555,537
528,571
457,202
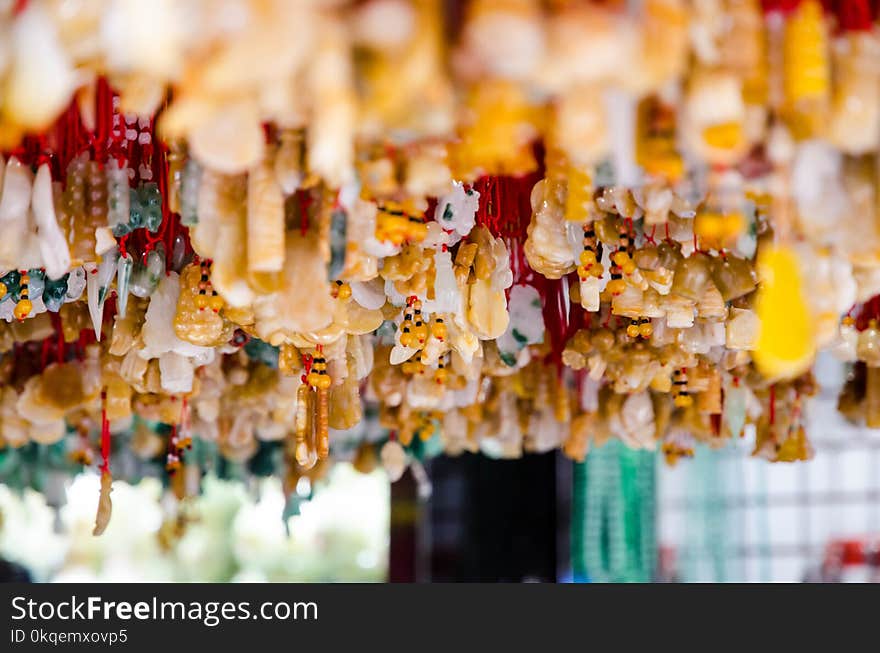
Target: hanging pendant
123,277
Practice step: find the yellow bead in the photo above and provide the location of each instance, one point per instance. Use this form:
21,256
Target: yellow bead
22,309
583,272
616,286
216,302
201,301
344,291
628,266
597,270
724,135
2,289
438,330
806,69
440,375
733,225
417,231
312,379
646,330
632,330
588,257
407,339
620,257
683,401
420,332
322,382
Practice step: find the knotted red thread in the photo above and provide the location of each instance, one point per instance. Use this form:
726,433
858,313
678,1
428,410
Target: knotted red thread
123,246
307,367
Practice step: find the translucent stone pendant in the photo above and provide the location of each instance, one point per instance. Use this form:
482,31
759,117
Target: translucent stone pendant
123,276
118,199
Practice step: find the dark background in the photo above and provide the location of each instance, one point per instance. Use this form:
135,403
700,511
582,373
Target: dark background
487,520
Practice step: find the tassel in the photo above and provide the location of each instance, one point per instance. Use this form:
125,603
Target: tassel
105,505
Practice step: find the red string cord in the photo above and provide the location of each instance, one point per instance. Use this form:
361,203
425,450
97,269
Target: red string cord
184,415
772,415
105,434
307,367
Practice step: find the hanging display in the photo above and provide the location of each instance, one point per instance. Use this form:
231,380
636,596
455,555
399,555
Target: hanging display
287,232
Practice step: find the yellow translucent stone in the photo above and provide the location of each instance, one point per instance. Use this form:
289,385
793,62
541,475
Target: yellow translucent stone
580,194
497,138
708,224
725,136
805,53
667,165
786,345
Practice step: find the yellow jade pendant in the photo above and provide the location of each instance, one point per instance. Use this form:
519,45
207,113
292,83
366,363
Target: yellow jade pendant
785,345
399,223
197,319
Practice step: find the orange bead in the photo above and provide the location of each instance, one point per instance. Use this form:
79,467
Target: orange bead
616,286
22,309
438,330
588,257
683,401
